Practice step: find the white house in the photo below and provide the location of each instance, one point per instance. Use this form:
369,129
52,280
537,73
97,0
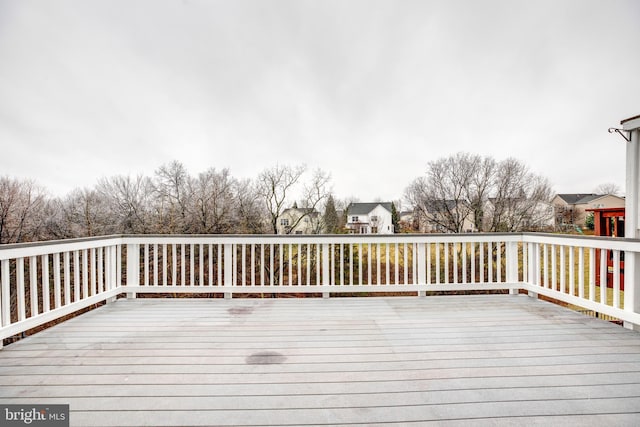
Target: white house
370,218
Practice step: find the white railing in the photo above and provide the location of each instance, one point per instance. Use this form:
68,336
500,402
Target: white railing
46,281
572,269
325,264
43,282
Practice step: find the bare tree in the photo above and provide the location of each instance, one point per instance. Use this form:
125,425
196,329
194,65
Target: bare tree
521,199
608,188
82,213
250,211
128,200
315,194
441,198
277,187
171,201
172,197
20,203
482,173
467,189
415,195
213,202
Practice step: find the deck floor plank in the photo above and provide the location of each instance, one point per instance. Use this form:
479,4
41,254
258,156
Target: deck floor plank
451,360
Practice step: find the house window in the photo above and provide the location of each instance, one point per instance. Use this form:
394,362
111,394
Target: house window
354,219
374,230
374,218
284,222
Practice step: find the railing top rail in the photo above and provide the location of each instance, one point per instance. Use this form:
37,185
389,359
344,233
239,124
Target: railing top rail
321,238
17,250
599,242
9,251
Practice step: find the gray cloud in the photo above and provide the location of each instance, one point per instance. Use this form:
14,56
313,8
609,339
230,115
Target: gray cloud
368,90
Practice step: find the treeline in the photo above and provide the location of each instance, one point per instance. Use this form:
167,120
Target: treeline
172,201
459,193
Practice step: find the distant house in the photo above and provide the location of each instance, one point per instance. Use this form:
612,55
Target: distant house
299,221
370,218
409,222
570,208
447,216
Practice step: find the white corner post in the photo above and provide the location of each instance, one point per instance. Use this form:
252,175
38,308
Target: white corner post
512,265
632,218
133,268
113,278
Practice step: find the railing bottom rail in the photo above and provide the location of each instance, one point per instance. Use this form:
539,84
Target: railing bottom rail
57,313
333,289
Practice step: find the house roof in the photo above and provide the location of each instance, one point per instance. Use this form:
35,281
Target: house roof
365,208
493,200
442,205
517,199
629,119
579,198
302,211
632,123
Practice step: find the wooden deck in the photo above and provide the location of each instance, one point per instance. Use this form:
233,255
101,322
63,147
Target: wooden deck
451,360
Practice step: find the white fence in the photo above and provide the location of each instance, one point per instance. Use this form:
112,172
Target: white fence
45,281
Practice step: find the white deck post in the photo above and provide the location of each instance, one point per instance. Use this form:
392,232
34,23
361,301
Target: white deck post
632,218
326,268
133,267
422,267
532,267
5,301
228,268
512,265
111,270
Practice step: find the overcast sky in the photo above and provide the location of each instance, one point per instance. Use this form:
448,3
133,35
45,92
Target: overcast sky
369,91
